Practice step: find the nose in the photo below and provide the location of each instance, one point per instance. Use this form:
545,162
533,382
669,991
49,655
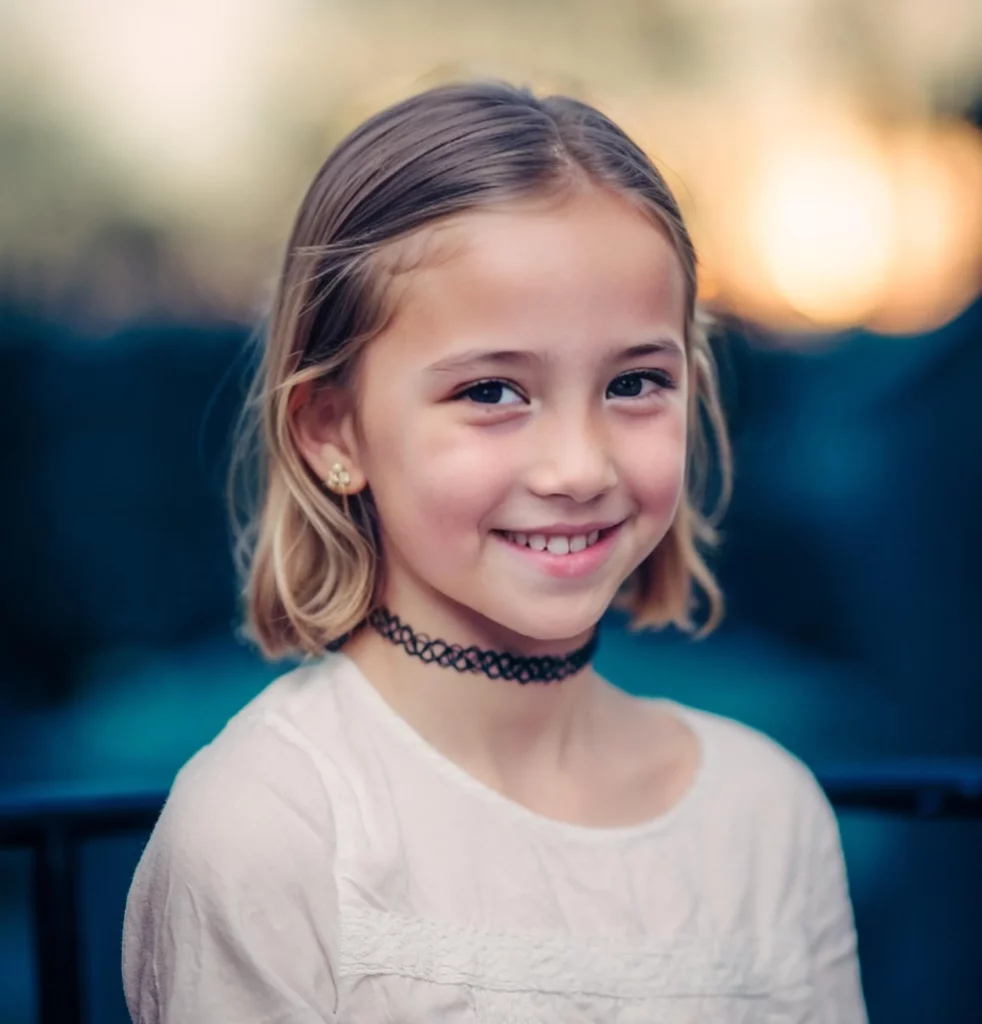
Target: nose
571,459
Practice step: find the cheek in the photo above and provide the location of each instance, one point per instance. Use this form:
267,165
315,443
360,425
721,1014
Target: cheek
655,465
432,486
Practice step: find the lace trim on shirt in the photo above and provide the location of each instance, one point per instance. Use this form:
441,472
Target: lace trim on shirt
380,942
539,1008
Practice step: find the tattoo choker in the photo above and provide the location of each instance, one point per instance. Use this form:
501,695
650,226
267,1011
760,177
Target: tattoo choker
546,668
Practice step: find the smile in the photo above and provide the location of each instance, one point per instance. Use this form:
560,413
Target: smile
566,556
555,544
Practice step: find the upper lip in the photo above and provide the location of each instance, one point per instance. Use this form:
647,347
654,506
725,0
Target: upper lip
567,529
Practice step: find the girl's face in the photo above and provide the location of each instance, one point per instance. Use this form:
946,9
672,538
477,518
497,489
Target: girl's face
530,394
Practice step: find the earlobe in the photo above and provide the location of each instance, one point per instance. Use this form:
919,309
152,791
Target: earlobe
319,430
339,479
343,477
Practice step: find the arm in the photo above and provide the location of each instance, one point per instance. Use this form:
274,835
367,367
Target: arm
231,913
831,928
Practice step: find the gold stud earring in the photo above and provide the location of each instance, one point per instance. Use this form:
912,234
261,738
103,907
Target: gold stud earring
339,479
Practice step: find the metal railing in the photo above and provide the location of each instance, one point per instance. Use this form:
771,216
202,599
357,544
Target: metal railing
52,824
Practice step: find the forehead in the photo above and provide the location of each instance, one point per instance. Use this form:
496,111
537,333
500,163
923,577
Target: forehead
585,268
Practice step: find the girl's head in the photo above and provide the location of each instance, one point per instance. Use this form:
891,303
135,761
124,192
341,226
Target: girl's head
487,315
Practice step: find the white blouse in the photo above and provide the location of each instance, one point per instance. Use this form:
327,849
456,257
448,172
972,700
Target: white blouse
320,861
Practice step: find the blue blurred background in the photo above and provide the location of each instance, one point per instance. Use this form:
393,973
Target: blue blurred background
829,159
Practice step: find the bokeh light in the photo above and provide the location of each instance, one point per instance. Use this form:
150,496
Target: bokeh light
812,145
823,223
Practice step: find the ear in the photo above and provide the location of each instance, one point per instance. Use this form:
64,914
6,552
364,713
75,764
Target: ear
322,422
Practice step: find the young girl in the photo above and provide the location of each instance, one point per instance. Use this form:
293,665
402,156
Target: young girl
482,405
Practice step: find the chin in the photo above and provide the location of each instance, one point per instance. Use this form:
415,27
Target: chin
546,625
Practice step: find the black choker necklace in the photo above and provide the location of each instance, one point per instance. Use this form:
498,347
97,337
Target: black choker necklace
546,668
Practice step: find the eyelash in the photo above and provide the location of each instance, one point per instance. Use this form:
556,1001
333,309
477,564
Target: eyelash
659,377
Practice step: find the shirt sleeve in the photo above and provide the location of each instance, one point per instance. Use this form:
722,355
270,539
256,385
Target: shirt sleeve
831,926
231,915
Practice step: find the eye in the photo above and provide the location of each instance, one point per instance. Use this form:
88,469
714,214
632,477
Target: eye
632,385
491,392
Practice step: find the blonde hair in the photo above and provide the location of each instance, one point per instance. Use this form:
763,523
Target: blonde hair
311,568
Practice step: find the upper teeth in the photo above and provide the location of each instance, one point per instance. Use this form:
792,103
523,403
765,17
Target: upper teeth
555,545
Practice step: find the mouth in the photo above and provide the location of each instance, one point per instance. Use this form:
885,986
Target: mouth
557,543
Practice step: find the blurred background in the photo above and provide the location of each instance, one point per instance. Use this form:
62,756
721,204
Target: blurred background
828,156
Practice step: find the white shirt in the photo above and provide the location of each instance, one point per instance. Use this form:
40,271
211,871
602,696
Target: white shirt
320,861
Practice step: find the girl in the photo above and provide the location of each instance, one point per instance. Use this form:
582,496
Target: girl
482,405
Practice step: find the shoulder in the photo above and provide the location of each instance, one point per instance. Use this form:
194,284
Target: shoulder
255,792
753,771
230,909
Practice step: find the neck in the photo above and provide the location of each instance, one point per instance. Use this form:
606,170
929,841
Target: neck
498,728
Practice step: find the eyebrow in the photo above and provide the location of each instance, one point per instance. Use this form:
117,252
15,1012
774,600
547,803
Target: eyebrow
512,357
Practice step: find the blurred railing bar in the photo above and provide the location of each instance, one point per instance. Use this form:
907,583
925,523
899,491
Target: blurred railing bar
55,877
919,789
51,824
24,815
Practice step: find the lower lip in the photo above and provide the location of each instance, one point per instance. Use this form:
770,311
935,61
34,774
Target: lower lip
572,566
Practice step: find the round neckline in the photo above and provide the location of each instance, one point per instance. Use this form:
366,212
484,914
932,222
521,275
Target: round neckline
459,776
